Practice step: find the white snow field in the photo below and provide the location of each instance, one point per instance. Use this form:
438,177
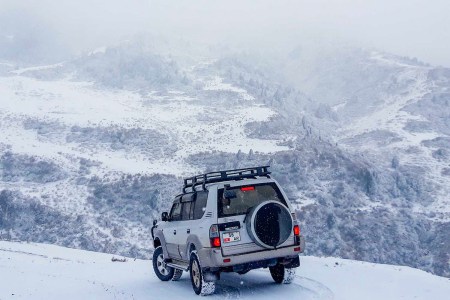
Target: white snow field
38,271
195,127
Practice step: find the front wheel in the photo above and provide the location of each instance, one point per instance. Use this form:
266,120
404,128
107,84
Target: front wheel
200,286
281,274
162,271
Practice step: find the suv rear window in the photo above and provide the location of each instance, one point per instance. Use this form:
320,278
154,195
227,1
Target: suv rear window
247,197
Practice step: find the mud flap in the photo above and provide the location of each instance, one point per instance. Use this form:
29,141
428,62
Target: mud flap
294,263
210,276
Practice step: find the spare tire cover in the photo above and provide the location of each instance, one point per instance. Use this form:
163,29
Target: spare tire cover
269,224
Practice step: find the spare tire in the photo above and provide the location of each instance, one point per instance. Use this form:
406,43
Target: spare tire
269,224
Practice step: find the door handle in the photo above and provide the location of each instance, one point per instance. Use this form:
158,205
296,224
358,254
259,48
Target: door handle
174,232
188,231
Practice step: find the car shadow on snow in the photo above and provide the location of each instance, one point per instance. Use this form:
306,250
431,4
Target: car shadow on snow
256,283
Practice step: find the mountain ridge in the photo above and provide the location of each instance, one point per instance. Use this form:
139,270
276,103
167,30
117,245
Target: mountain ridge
80,149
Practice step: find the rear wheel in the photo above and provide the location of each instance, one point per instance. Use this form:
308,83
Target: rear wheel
200,286
162,271
281,274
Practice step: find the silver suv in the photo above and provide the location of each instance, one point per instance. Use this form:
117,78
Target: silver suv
227,221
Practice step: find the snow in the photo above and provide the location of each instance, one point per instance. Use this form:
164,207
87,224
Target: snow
188,123
339,106
391,116
217,84
382,59
99,50
194,127
38,271
301,201
6,64
37,68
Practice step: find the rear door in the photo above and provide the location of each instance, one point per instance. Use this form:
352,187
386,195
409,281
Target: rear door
193,209
232,215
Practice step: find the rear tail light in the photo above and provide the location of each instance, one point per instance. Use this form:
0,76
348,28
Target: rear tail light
215,242
296,230
214,236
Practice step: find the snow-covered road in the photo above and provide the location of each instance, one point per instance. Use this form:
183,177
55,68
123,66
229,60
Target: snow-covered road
37,271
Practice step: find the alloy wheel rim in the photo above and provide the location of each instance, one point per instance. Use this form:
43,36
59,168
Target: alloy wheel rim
196,273
161,265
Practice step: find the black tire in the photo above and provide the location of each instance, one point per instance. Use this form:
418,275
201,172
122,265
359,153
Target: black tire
200,286
162,271
281,274
177,273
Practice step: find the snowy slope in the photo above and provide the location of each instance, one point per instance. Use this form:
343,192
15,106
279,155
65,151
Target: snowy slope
66,121
385,107
385,131
99,143
38,271
194,126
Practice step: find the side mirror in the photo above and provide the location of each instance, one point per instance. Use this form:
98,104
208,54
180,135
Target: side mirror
165,216
154,222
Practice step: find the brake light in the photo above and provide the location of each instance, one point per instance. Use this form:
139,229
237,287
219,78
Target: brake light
296,230
247,188
214,237
215,242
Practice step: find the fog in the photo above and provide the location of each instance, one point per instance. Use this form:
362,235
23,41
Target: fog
412,28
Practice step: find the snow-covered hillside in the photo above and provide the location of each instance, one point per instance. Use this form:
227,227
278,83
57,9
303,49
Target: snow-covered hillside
400,128
64,111
98,144
393,109
39,271
88,130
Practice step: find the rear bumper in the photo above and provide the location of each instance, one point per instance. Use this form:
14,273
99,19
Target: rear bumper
211,258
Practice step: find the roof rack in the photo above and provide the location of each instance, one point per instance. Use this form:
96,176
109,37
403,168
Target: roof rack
218,176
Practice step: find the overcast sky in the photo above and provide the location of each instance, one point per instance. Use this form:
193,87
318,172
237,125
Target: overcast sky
406,27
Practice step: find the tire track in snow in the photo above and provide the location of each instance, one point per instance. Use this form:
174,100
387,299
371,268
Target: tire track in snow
316,287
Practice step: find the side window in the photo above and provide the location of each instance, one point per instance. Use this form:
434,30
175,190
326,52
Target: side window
200,205
175,212
186,211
